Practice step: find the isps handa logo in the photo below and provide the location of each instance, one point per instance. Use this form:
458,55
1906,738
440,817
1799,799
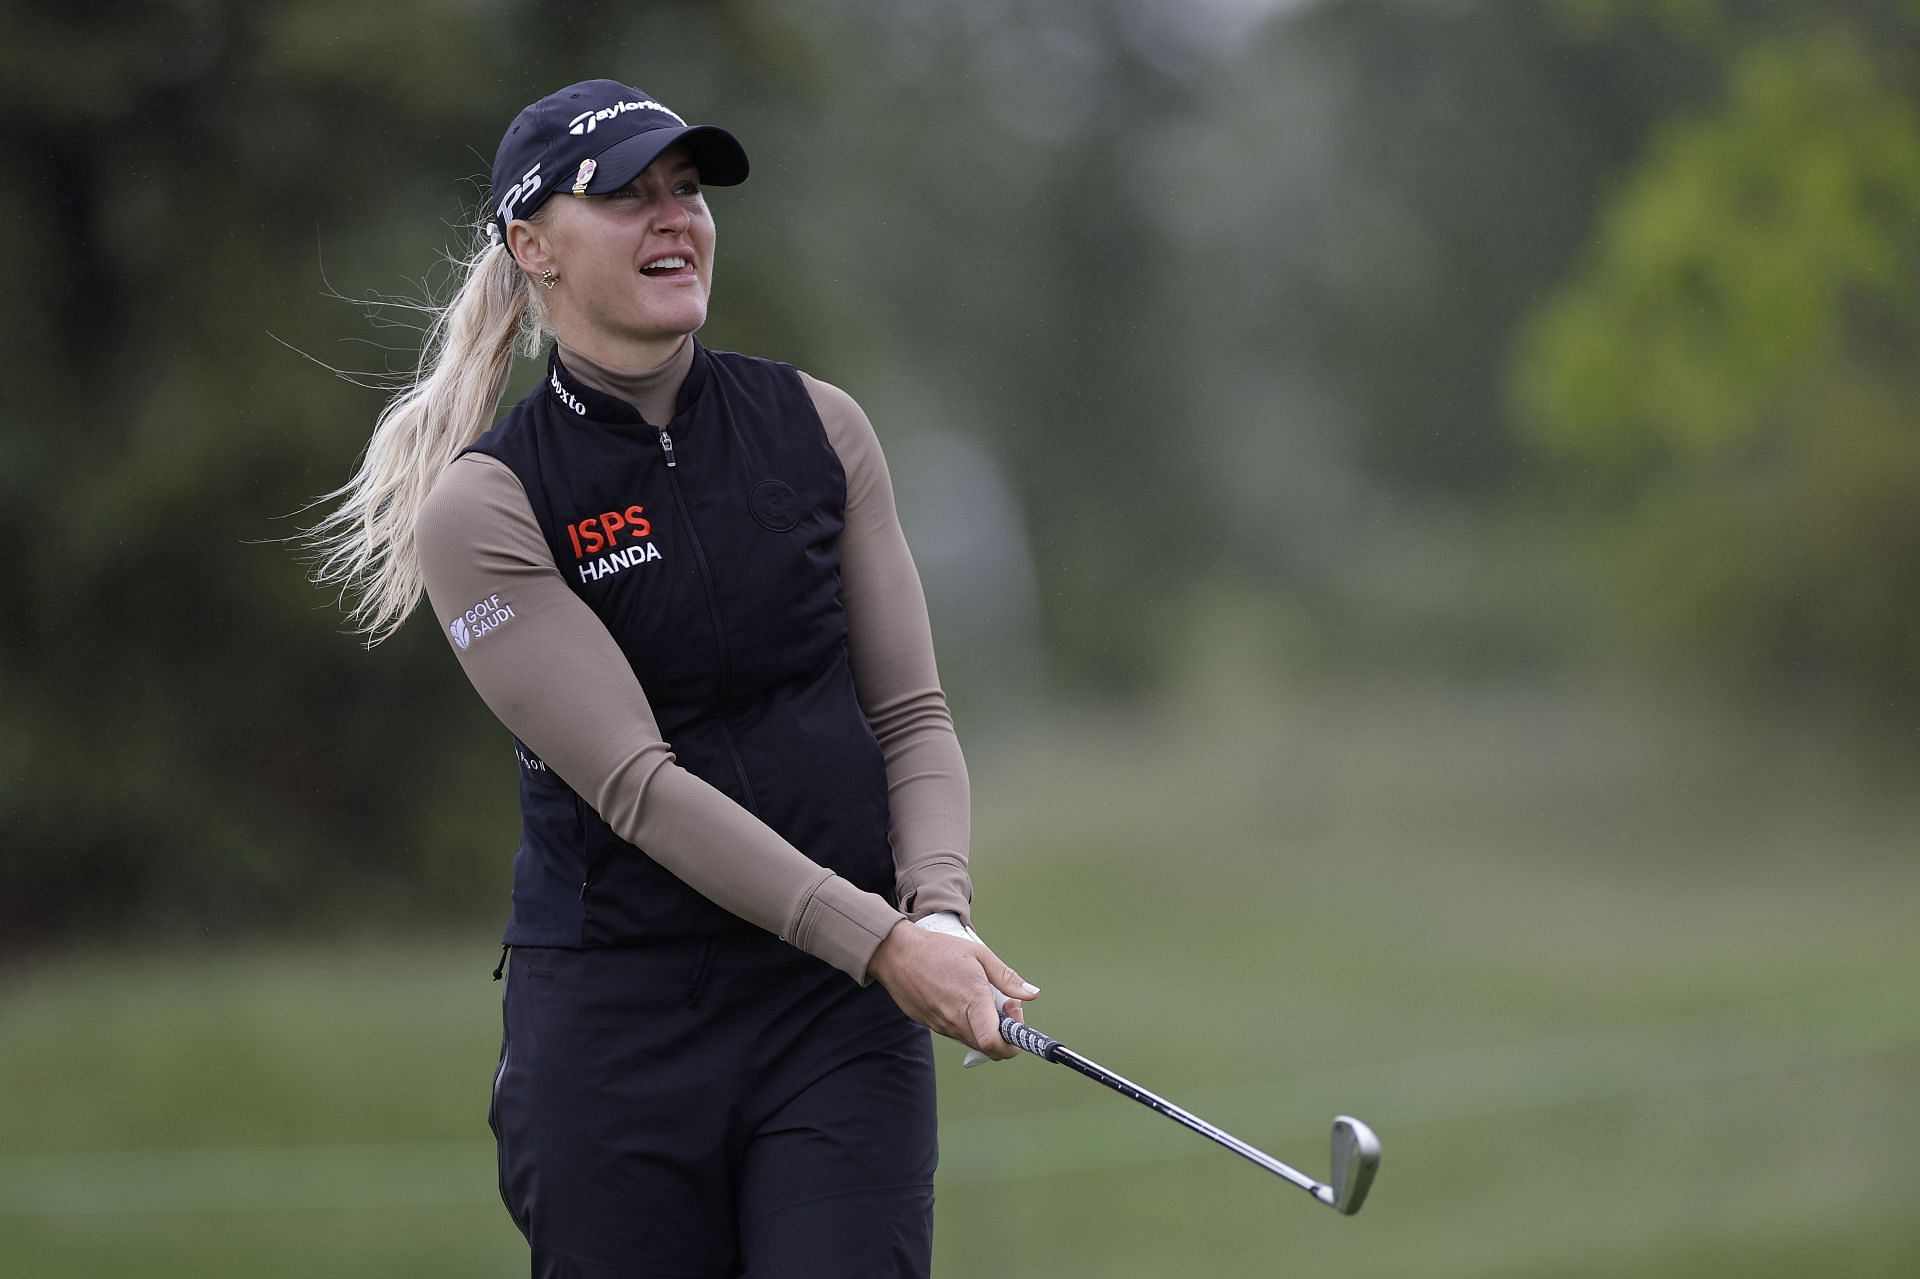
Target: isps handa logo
480,621
596,542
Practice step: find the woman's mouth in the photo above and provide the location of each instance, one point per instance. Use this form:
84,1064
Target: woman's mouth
669,266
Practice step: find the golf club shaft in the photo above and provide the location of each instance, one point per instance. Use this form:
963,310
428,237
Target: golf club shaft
1047,1048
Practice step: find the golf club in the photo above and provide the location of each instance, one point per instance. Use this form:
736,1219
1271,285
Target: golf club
1356,1151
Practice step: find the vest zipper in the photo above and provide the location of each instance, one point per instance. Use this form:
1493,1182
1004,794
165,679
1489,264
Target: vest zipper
719,631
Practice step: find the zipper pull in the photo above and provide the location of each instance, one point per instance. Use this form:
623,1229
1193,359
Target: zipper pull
666,445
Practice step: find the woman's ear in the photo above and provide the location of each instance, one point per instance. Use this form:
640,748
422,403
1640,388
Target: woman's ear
528,246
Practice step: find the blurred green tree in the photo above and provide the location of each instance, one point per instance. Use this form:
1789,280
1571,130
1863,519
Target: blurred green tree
1727,388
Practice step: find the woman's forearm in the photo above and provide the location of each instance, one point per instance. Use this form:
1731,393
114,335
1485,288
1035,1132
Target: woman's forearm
890,642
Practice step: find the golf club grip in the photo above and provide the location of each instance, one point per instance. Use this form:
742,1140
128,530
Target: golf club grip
1026,1038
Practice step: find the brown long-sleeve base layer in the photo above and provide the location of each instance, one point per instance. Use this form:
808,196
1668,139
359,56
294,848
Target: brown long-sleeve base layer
558,681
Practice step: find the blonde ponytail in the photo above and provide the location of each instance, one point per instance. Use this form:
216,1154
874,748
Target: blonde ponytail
365,545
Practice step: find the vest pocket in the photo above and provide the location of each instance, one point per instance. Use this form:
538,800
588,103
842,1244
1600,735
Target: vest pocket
702,970
593,862
494,1117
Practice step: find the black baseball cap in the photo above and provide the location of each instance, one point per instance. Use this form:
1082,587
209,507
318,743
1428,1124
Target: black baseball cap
591,138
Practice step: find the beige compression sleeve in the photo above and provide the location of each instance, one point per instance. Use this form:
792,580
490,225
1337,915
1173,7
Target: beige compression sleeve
890,643
556,679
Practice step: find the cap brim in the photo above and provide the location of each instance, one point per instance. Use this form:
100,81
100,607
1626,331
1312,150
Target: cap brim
721,159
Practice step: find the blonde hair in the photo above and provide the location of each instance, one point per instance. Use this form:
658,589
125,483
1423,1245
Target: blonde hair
365,545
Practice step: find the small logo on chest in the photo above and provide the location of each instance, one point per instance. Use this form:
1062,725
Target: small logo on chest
597,542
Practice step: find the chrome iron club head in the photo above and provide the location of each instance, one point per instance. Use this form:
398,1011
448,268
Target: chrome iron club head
1356,1157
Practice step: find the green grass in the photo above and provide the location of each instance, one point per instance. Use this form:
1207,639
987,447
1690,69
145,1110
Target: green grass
1622,994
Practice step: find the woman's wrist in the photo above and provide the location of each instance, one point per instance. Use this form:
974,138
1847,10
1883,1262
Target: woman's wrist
891,953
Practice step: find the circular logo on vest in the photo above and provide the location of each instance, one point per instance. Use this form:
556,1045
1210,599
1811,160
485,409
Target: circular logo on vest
775,506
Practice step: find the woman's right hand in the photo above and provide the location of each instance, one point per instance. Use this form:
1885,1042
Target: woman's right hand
946,984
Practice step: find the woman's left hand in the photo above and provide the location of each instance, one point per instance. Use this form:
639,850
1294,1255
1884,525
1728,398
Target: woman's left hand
948,922
952,985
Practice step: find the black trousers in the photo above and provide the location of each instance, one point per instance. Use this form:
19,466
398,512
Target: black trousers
717,1108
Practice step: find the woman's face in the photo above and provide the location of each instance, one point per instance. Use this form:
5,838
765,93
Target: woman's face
635,266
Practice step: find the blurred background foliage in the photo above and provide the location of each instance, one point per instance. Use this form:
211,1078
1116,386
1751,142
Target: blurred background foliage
1419,504
1729,375
1219,345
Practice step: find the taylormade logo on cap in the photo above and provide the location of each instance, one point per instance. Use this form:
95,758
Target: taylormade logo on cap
588,121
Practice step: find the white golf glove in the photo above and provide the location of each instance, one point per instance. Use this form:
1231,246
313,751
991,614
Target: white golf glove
947,922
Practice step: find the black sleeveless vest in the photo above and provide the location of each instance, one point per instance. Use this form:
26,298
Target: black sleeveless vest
707,547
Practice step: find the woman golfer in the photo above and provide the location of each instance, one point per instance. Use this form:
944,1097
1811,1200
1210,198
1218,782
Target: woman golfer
676,575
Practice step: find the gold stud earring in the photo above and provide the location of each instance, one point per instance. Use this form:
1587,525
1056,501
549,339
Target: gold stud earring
548,278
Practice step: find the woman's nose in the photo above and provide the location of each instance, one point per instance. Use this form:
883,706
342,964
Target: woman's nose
673,216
